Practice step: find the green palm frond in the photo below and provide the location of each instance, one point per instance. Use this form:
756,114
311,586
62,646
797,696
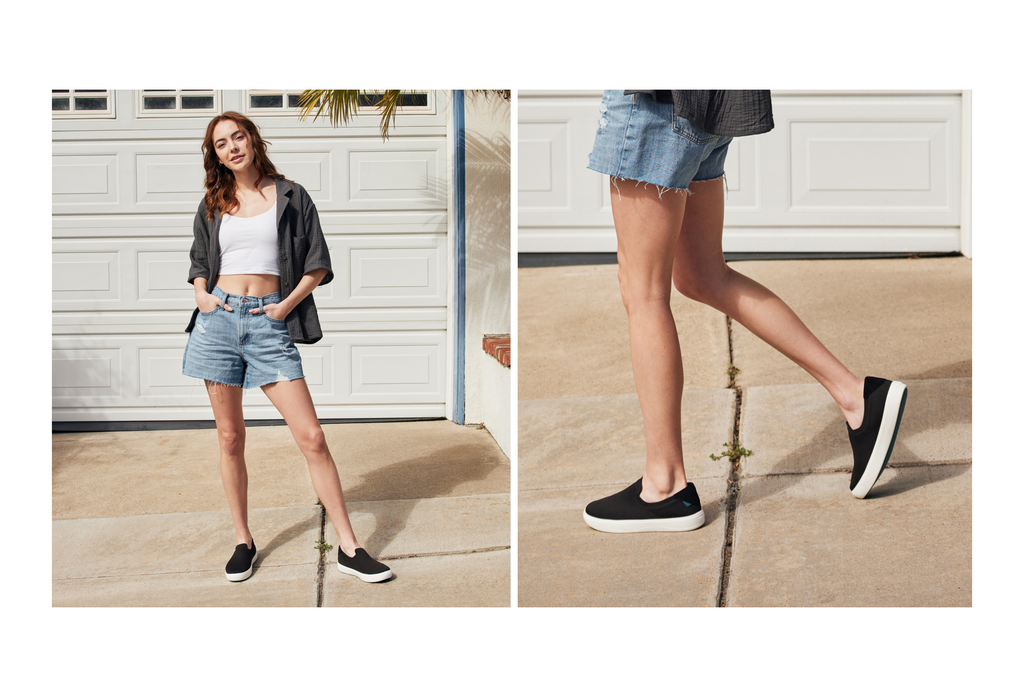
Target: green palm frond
342,105
388,105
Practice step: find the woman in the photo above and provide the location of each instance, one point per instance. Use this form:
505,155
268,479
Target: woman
258,254
665,151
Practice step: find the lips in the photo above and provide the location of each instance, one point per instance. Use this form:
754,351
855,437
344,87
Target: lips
237,158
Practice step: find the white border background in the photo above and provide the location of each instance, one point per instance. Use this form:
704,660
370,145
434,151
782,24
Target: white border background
525,45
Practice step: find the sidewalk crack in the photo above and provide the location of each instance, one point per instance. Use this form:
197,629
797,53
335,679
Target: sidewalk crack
452,553
322,561
732,483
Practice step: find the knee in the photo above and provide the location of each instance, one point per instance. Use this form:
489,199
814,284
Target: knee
640,291
689,285
702,285
313,441
232,441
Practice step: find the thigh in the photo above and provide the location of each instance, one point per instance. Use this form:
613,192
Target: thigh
226,401
698,253
293,400
647,226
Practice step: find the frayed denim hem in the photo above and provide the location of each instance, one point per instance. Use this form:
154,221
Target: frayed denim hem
724,179
663,189
637,182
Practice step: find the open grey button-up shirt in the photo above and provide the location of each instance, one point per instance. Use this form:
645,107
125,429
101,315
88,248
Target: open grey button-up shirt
301,246
720,112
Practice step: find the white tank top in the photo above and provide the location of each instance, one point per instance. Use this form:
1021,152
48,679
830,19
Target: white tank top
249,245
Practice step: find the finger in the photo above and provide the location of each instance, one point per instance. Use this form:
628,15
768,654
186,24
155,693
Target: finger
228,307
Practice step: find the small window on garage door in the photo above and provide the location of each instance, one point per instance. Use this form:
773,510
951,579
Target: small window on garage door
170,103
83,104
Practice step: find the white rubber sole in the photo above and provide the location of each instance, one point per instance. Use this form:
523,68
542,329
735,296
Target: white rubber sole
690,522
369,578
241,576
891,416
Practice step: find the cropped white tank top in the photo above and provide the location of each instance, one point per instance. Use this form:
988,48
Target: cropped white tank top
249,245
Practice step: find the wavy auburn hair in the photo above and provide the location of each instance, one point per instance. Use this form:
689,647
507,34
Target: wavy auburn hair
220,181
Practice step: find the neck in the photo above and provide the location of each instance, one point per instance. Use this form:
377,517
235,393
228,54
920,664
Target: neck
247,180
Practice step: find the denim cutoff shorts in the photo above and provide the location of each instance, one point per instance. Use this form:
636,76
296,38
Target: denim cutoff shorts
639,138
240,348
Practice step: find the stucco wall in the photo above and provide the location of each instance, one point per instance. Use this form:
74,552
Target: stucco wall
488,261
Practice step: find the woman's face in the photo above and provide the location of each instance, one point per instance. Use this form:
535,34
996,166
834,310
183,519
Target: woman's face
232,146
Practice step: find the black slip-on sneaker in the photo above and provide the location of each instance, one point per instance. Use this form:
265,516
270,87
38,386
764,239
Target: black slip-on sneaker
873,441
627,512
239,566
363,566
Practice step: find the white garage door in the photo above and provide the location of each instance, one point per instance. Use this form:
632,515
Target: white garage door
127,178
840,172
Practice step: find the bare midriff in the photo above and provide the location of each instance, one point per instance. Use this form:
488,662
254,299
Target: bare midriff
253,285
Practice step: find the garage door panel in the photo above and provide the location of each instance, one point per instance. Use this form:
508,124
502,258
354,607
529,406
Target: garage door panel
84,181
870,167
87,372
745,188
546,152
169,178
87,278
121,274
384,222
394,271
308,164
160,274
859,162
379,178
160,373
555,186
386,367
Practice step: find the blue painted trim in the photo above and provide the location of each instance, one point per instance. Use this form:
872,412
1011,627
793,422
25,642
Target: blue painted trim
459,182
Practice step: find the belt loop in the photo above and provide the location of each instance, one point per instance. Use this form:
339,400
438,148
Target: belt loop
261,304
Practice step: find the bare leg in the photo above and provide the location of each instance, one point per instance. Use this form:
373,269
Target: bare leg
700,272
227,411
647,227
292,399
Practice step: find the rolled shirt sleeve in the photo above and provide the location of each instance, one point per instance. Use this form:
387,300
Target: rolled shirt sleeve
317,255
200,253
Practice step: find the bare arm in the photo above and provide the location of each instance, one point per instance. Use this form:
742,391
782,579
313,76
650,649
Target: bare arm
303,288
206,301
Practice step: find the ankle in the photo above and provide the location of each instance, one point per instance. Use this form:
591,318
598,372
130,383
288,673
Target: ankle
661,486
852,405
349,548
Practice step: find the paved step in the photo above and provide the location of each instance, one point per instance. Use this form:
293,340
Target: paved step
804,540
563,562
